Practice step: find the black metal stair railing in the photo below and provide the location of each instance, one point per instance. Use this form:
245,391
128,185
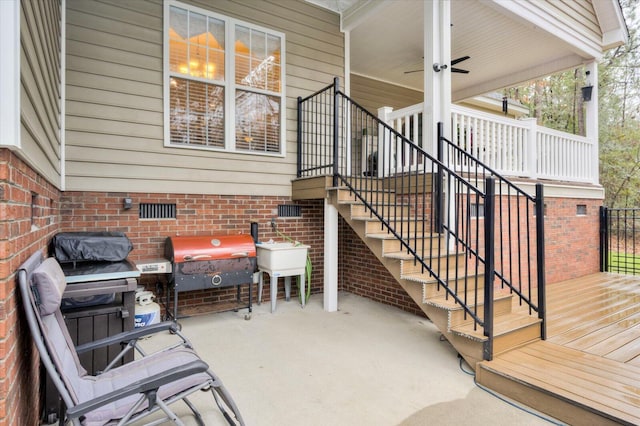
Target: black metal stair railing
433,210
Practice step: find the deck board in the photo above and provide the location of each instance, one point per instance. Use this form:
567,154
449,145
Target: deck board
595,390
591,358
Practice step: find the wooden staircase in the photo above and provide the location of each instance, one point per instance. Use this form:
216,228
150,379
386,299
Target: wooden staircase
511,329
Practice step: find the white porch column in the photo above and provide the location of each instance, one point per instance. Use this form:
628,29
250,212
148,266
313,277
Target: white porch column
330,257
437,78
591,118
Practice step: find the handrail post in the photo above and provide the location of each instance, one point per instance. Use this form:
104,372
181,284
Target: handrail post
299,137
540,256
438,185
604,239
489,247
336,123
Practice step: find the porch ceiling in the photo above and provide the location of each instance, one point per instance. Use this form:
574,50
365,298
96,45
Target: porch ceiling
387,40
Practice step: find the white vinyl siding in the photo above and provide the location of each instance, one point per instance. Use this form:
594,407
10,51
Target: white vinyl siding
115,113
40,90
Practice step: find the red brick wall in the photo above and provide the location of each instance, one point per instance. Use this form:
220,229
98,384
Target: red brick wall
196,215
362,273
572,242
20,236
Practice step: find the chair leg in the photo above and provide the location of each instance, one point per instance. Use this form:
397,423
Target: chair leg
170,414
195,411
218,389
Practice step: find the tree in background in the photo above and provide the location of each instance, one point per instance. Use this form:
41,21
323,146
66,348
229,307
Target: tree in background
556,102
619,105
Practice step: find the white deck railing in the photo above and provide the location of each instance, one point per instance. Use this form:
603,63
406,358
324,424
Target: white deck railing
516,148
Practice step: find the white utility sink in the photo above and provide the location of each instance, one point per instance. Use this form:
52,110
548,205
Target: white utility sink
282,258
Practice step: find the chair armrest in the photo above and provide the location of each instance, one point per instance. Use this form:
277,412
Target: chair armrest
127,336
141,386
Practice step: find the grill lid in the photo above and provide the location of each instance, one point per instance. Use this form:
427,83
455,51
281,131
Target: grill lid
209,247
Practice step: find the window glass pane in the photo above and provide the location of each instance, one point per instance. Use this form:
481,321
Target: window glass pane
273,74
178,28
215,116
215,65
197,45
257,122
177,41
258,46
242,48
214,69
196,113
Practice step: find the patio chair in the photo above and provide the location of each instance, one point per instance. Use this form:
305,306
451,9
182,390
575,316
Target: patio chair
119,395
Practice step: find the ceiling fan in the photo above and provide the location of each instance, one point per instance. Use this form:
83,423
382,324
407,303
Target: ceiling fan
437,67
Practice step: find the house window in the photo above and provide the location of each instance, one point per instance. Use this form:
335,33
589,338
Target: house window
224,83
476,210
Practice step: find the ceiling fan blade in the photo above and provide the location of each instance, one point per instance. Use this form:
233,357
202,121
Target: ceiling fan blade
458,60
453,69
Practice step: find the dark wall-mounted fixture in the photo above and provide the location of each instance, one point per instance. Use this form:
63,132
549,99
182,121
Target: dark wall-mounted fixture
587,90
127,204
505,105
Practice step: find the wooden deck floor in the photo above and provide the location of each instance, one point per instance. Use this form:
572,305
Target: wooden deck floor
598,314
588,369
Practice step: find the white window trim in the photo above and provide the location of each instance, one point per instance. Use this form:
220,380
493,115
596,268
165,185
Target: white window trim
229,84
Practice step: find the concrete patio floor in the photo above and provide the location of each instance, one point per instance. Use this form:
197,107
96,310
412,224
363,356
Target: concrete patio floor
367,364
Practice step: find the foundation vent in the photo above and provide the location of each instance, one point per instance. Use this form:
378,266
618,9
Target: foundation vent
289,210
157,211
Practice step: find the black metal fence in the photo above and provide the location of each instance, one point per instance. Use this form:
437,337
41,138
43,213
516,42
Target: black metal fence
620,240
414,194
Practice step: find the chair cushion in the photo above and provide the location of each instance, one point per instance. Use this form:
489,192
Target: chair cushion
50,283
95,386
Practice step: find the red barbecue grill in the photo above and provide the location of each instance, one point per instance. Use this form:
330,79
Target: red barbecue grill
213,261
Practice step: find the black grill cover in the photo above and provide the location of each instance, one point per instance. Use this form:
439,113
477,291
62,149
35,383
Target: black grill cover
90,246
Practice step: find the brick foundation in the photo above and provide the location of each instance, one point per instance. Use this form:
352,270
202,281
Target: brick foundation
196,215
28,218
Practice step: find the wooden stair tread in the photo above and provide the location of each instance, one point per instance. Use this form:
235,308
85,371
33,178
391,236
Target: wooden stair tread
447,302
502,324
586,380
371,218
404,255
388,236
424,278
452,275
